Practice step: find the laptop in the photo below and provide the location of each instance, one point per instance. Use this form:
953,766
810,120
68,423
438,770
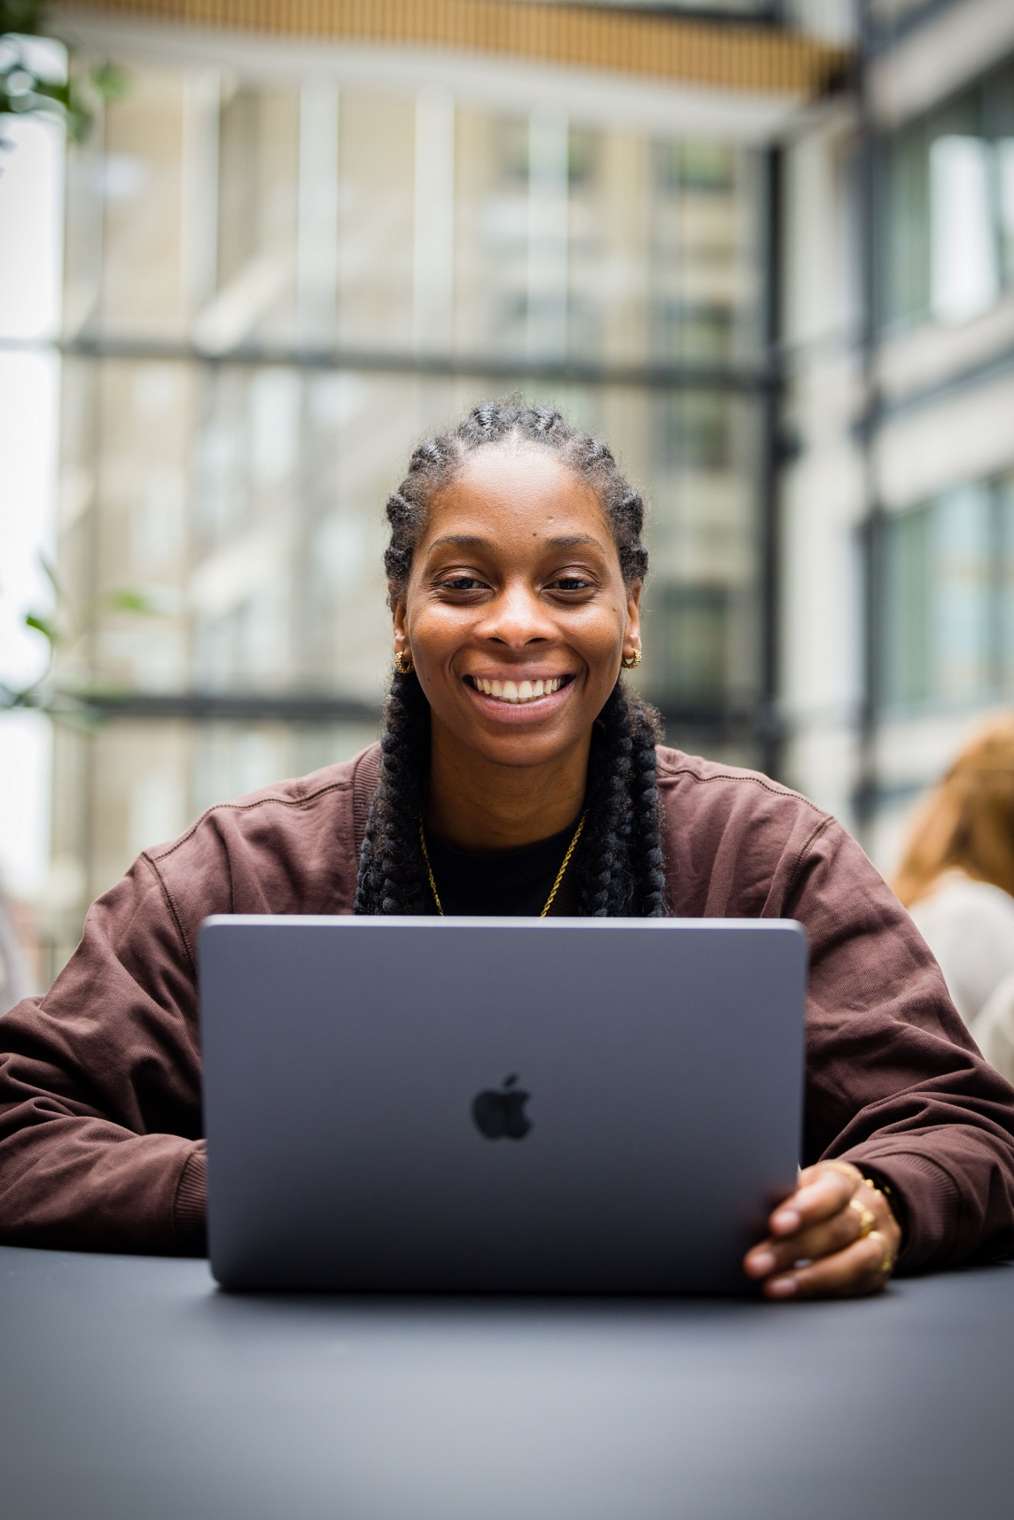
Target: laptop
510,1105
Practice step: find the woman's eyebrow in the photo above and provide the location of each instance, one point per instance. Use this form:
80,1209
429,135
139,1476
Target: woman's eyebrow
472,541
460,541
574,541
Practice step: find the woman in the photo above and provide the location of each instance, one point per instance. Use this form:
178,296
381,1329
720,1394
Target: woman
957,879
515,775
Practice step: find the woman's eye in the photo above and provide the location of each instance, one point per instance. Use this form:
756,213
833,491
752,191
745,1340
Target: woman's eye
461,583
570,583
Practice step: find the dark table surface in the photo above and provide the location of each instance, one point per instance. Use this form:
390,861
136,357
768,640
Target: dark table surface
132,1387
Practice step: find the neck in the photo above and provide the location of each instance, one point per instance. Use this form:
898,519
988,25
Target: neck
479,805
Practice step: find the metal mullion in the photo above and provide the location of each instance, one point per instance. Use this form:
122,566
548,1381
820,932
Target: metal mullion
768,579
737,378
312,708
873,526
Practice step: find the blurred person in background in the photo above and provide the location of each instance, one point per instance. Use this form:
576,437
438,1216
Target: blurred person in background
956,878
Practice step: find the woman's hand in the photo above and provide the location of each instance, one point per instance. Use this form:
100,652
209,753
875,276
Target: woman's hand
834,1237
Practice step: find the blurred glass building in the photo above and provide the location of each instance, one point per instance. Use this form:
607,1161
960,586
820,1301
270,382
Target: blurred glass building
765,250
897,485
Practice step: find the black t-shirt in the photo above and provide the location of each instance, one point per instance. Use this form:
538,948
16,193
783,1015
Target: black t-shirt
504,883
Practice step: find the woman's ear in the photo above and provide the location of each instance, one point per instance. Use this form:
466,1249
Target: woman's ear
634,612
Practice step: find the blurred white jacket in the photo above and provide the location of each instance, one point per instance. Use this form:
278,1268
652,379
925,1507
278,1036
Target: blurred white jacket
969,926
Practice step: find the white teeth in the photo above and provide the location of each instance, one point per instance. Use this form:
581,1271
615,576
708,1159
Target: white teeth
524,691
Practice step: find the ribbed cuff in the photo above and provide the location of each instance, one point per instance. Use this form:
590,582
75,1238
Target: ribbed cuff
190,1203
930,1200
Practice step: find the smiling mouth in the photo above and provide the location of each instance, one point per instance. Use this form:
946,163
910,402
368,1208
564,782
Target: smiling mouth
517,692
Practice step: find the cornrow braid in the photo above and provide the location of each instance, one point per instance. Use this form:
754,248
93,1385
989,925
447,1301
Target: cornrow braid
607,878
391,877
647,852
619,866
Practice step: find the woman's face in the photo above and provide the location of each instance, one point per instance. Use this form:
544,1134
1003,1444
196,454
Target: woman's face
516,582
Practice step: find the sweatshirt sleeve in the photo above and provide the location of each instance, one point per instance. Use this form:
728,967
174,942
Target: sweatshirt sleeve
894,1080
100,1118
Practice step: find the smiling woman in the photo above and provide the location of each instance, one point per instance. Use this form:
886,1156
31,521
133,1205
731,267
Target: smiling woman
515,569
516,776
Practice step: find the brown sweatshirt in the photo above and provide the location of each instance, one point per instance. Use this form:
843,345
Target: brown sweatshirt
100,1081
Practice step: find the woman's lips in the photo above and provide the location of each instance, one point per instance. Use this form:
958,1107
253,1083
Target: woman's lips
534,710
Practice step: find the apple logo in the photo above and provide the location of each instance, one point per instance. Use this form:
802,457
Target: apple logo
502,1113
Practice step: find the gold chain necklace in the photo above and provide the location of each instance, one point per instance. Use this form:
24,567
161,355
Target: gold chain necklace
552,891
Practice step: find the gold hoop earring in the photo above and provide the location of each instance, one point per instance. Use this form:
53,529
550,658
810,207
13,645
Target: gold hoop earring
402,662
631,662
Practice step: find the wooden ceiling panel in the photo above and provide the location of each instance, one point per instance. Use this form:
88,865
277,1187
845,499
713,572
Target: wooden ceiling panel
745,57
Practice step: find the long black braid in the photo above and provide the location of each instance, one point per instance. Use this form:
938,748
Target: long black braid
619,864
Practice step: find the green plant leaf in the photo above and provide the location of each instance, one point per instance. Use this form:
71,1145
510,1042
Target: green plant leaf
61,92
49,571
23,16
126,599
24,92
42,625
110,80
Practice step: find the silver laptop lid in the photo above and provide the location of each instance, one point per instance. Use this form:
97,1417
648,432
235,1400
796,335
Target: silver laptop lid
572,1105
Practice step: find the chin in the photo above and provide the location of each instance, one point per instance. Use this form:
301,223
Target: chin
523,749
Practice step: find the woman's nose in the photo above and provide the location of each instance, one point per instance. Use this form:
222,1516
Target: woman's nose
517,617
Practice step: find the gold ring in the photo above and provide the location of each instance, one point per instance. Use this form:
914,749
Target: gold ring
867,1218
887,1265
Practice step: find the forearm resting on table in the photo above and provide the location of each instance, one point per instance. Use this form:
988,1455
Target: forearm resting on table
87,1184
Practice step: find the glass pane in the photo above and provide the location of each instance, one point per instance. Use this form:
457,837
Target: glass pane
144,228
142,783
603,245
907,620
702,293
225,526
906,276
705,254
122,549
258,181
940,249
693,661
964,277
358,435
227,210
701,600
491,232
376,220
288,585
960,577
608,227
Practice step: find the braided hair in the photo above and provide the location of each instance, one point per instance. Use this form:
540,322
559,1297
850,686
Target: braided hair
618,866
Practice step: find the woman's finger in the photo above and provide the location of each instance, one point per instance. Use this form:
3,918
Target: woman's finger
830,1235
822,1193
862,1267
